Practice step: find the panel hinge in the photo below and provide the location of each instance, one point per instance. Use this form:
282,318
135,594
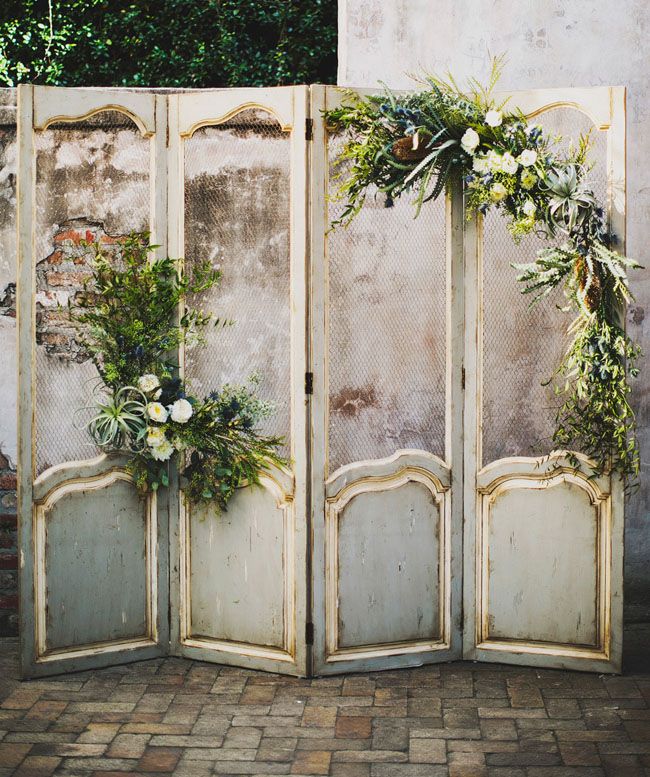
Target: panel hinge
462,378
309,633
309,129
309,383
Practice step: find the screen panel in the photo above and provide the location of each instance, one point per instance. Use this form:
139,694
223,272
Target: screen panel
237,215
92,184
386,327
522,346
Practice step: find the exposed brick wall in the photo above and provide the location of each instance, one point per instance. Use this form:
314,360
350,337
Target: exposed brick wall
8,551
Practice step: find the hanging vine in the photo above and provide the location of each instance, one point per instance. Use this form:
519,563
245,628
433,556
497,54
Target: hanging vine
415,143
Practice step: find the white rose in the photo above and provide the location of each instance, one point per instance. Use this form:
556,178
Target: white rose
162,452
494,161
498,192
157,412
479,164
509,163
493,118
155,437
470,140
527,157
529,208
181,411
148,383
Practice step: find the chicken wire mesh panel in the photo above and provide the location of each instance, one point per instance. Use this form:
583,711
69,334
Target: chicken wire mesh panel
92,184
386,328
238,215
524,345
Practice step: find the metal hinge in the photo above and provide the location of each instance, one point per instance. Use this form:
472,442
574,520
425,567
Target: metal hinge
462,378
309,129
309,383
309,633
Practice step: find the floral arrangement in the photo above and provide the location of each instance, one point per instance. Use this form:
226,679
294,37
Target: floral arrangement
130,323
416,142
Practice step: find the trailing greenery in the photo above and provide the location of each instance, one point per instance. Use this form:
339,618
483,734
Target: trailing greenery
173,43
416,143
129,322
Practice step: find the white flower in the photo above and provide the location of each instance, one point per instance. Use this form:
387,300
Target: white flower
529,208
493,118
498,192
148,383
480,164
494,161
181,411
527,157
470,140
162,452
157,394
509,163
157,412
155,437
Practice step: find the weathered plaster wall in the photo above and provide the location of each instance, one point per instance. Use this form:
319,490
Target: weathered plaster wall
548,43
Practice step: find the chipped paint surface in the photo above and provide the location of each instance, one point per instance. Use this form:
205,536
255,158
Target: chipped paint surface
558,43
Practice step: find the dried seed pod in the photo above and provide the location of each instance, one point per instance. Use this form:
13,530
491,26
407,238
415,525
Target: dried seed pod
594,292
403,149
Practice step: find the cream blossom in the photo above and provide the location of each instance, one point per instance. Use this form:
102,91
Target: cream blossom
179,444
527,157
498,192
509,163
493,118
157,412
181,411
155,437
528,179
148,383
480,164
470,140
162,452
529,208
494,161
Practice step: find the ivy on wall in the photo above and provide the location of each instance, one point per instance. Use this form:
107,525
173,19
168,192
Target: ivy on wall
167,43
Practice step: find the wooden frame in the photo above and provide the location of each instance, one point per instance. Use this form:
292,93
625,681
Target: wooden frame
329,491
188,113
39,108
605,106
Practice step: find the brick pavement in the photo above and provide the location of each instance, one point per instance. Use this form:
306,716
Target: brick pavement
176,717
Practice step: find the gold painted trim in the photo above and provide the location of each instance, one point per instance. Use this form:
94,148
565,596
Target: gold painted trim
39,518
284,501
216,121
69,119
334,506
240,648
604,126
601,501
96,649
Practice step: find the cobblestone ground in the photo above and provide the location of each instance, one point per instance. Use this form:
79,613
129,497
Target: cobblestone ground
191,719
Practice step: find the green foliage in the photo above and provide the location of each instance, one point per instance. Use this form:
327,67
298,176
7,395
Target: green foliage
595,417
132,318
172,43
419,142
129,311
